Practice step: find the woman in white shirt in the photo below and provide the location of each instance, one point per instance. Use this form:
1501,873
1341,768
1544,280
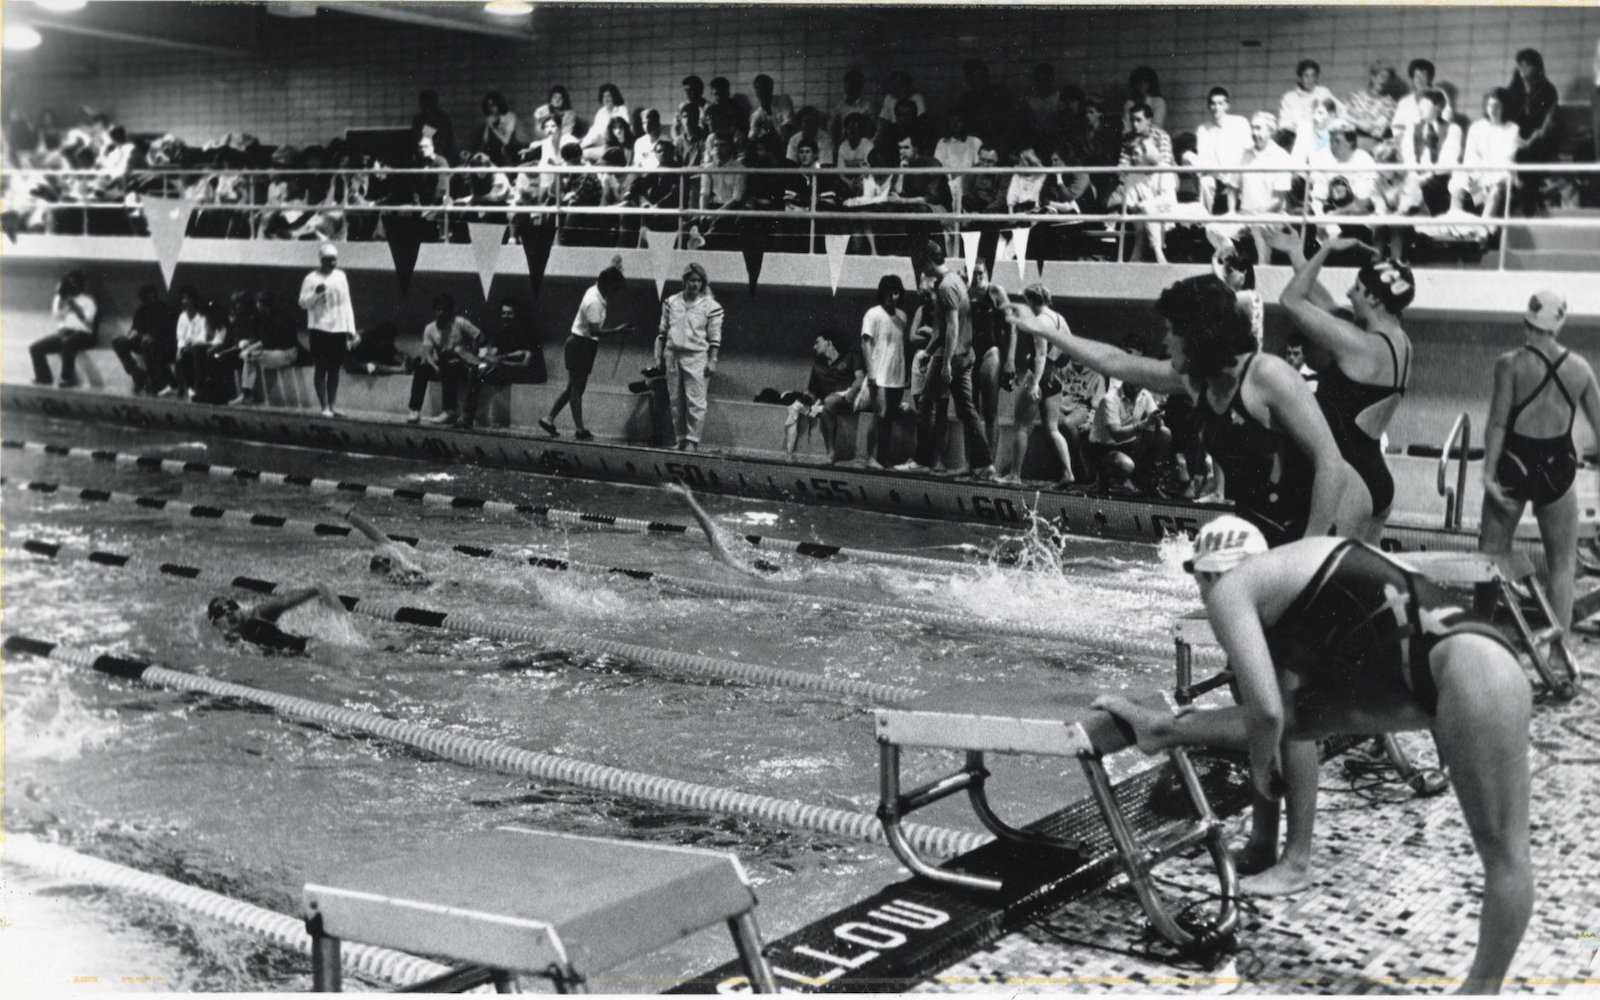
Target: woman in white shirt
883,344
72,316
1491,142
583,343
194,342
611,106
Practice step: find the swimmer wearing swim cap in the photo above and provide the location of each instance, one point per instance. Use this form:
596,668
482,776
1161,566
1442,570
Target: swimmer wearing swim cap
258,624
388,560
1330,636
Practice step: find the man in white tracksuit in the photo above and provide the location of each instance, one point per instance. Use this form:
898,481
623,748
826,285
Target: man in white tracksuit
686,348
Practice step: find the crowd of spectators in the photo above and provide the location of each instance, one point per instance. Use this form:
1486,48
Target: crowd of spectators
1353,139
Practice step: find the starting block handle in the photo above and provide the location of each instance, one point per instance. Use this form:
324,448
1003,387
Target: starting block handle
892,807
1137,859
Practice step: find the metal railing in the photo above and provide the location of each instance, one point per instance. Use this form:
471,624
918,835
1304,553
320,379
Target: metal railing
1455,498
537,193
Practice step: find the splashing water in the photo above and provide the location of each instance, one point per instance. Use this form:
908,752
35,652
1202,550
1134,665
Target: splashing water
319,622
52,723
1173,551
579,597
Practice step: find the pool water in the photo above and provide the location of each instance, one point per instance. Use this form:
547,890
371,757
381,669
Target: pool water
247,803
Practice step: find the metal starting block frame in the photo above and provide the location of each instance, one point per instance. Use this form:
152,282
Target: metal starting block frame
1497,575
520,900
1057,724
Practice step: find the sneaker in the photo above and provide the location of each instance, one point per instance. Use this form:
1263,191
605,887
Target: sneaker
582,434
240,400
912,466
327,412
446,418
334,413
548,426
873,463
167,393
372,368
415,417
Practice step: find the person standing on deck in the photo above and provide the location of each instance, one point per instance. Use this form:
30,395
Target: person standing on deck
331,319
1528,455
687,344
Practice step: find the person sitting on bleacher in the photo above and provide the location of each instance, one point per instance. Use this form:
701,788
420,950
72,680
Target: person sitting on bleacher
1127,441
1491,142
151,343
509,357
269,343
1434,141
447,349
72,328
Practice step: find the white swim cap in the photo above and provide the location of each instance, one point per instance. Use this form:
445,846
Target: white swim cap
1225,543
328,250
1547,311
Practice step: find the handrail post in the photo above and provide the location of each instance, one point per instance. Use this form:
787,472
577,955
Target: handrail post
1505,209
1461,466
811,243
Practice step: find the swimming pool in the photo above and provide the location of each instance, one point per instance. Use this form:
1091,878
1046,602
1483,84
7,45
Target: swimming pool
252,805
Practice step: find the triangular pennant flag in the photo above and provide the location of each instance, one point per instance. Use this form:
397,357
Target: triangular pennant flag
661,242
836,243
486,239
969,250
537,239
169,220
1019,242
404,234
11,224
753,244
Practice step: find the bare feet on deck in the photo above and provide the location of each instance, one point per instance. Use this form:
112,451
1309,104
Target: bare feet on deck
1152,727
1282,879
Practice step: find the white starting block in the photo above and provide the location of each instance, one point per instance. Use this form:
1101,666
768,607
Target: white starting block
519,900
978,720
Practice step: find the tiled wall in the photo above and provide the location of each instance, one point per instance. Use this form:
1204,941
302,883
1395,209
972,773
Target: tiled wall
308,80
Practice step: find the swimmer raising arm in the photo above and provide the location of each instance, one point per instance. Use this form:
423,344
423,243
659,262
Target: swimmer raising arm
714,535
388,560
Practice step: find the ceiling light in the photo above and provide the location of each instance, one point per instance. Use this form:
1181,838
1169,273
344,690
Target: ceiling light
21,38
508,8
60,6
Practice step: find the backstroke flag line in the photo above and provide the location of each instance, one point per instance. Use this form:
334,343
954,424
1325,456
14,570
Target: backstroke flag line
836,244
169,220
486,239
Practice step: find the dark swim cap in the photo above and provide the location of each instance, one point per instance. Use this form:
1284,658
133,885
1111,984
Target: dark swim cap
1389,282
221,607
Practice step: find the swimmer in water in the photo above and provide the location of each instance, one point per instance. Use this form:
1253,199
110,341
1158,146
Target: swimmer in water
388,560
755,566
258,624
1329,635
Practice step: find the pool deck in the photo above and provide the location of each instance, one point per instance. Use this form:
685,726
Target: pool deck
1394,908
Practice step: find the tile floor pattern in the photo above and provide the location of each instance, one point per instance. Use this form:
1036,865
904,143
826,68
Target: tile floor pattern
1394,908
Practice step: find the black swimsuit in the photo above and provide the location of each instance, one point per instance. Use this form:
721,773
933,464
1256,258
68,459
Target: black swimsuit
1266,475
1539,470
1371,624
1343,400
268,636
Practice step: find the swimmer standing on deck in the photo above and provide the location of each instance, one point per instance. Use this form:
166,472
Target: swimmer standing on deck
258,624
756,566
1328,636
388,560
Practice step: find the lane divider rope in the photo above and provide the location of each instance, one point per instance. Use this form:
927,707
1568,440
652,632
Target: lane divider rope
285,931
1090,637
550,638
552,515
508,759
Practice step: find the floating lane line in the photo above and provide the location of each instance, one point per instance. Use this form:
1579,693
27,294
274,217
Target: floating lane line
455,621
285,931
551,515
506,758
1097,639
